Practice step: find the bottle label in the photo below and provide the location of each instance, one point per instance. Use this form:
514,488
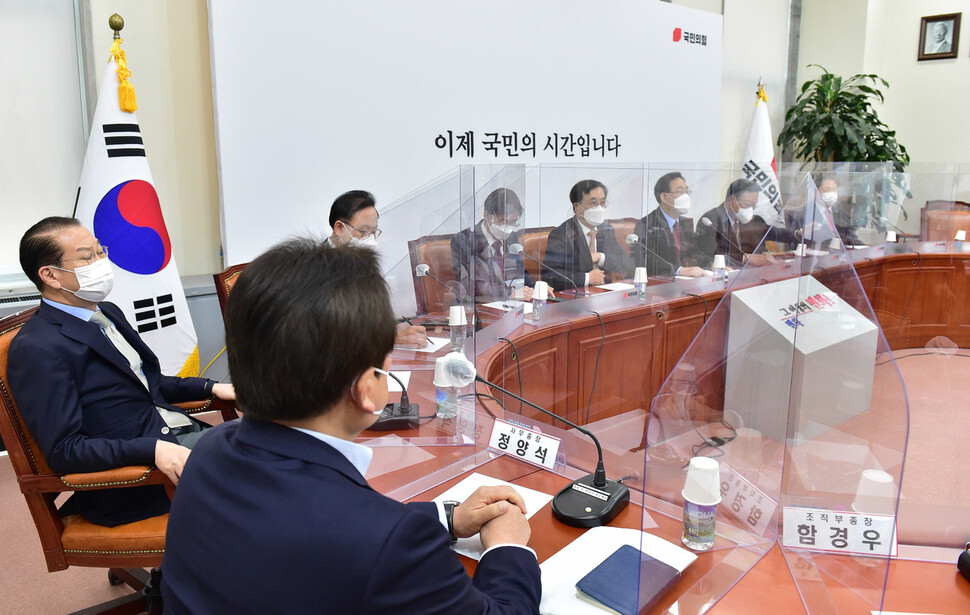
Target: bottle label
699,522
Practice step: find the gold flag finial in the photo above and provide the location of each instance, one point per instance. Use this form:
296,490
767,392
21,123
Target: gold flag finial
126,91
117,23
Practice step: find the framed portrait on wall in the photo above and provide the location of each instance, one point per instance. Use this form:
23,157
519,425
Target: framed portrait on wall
939,37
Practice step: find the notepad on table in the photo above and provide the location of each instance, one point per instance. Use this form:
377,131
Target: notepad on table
627,582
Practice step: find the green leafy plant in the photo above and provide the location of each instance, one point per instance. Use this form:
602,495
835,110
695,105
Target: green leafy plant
833,121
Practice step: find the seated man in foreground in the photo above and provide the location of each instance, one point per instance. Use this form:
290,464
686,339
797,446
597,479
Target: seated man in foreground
89,389
273,513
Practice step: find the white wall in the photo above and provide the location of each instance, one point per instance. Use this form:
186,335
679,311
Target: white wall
40,130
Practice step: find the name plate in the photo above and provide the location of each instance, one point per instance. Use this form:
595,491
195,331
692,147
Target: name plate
526,444
745,501
839,531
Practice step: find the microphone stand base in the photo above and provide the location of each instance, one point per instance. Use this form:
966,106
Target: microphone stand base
394,417
581,504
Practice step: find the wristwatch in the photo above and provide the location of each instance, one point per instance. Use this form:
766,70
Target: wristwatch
450,518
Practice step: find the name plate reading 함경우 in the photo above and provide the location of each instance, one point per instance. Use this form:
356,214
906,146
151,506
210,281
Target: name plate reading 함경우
839,531
524,443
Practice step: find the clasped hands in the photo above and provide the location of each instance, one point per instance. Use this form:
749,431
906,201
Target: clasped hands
497,513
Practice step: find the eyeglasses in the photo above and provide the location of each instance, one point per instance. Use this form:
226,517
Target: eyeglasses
101,253
680,192
365,234
598,203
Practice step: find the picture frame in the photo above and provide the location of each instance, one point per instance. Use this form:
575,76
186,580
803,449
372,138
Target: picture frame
939,37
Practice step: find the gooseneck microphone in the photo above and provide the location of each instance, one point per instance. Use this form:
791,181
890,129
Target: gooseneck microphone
454,288
633,238
400,415
885,221
590,501
707,222
516,248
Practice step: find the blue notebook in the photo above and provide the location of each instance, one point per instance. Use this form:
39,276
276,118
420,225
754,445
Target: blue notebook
617,584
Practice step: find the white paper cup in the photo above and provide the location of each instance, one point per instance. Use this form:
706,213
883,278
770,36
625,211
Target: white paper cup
540,292
456,316
640,275
440,374
853,398
703,484
719,262
835,243
960,236
876,493
890,236
800,250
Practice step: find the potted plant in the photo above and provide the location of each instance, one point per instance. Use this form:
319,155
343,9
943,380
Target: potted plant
833,120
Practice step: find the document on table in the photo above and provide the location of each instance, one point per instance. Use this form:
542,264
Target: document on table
562,571
616,286
472,546
434,344
509,304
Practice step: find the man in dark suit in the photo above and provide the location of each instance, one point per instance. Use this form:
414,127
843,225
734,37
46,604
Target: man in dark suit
583,249
485,249
273,513
732,229
665,243
89,405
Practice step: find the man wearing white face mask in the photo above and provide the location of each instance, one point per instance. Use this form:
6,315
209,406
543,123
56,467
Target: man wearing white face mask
583,250
354,219
90,391
732,229
666,235
485,249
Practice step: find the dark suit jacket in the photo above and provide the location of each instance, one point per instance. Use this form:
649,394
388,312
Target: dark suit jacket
267,519
87,409
660,254
567,254
490,281
720,237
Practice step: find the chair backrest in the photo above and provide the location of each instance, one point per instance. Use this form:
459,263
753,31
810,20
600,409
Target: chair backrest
534,242
435,252
939,204
943,224
225,280
621,228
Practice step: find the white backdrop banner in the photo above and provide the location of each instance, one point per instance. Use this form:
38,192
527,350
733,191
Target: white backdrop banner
314,99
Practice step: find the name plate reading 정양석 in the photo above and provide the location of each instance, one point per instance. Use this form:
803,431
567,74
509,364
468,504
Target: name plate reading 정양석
526,444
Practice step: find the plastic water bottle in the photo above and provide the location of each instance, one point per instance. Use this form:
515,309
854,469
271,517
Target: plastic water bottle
540,294
445,393
640,283
457,322
720,269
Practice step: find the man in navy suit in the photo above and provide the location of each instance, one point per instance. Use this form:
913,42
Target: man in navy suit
273,513
485,248
666,235
88,406
732,229
583,249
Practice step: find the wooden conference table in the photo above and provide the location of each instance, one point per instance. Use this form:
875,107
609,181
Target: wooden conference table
917,292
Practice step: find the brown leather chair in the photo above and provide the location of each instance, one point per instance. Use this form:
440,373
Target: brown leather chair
534,242
942,223
435,252
225,280
73,541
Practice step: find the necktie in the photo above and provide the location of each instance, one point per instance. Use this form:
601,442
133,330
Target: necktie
676,230
171,418
592,244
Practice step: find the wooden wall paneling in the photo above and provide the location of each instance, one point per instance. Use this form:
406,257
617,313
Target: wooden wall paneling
625,367
544,375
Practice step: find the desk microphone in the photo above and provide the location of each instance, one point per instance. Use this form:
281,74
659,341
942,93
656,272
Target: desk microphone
635,239
455,288
590,501
516,248
402,415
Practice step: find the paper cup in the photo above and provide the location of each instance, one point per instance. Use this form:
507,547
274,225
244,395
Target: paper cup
456,316
876,493
890,236
640,275
835,243
960,236
703,484
540,292
719,262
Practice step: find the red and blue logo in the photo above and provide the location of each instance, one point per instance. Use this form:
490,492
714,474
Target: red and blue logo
129,221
